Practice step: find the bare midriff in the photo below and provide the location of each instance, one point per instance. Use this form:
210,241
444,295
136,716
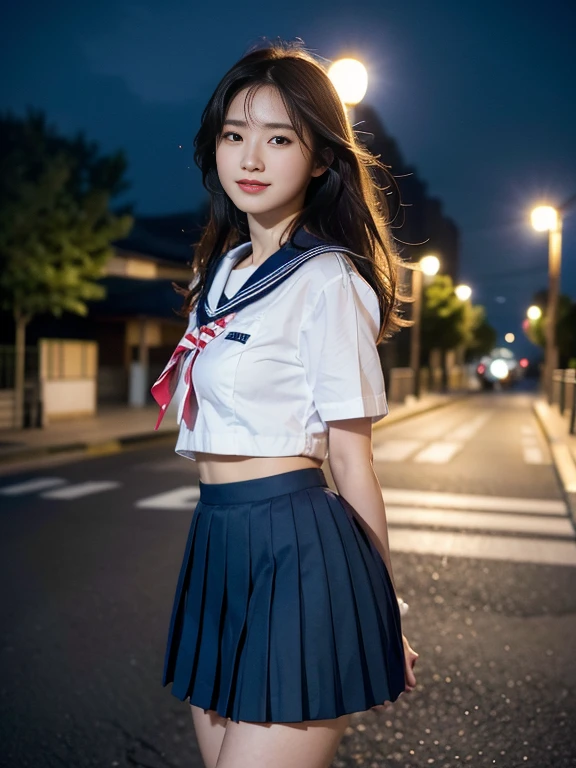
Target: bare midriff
217,468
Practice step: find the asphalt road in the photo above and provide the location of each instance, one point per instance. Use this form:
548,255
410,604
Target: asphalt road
483,550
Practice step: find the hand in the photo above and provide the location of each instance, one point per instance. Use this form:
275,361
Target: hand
411,657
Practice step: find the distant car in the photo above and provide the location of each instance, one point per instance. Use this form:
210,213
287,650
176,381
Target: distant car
498,369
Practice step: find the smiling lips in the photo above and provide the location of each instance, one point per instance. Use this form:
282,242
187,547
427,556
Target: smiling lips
251,186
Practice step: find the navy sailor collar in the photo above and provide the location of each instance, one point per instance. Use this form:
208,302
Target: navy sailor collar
273,271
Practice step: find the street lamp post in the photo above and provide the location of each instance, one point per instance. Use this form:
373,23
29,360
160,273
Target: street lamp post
547,218
463,292
428,265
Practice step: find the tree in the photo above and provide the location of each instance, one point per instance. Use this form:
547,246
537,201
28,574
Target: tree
55,224
448,322
565,334
484,335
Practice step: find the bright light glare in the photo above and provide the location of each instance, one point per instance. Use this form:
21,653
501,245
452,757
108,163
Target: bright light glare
509,338
534,313
430,265
544,217
350,78
499,369
463,292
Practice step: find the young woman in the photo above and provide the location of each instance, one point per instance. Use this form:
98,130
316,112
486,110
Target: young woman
285,618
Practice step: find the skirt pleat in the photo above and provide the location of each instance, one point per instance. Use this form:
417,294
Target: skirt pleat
284,609
194,615
177,617
238,587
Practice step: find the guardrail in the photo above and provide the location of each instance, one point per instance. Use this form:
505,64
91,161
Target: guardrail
564,395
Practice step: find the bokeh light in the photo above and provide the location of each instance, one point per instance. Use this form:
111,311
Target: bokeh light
463,292
350,78
544,217
534,313
430,264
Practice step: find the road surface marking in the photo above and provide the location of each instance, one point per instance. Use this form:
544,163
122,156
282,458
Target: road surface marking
80,490
396,450
517,549
438,453
467,430
30,486
180,498
530,440
473,502
486,521
532,454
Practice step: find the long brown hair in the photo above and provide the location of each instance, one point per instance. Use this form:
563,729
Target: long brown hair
344,206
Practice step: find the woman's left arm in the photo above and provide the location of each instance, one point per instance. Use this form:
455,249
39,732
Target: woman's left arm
350,459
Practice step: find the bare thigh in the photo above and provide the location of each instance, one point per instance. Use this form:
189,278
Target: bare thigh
210,728
311,744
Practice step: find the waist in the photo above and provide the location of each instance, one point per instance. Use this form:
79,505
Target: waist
261,488
220,468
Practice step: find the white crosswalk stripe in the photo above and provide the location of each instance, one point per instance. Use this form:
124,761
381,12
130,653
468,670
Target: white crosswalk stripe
407,497
32,486
468,429
438,453
538,530
487,521
532,446
82,489
179,498
444,543
396,450
532,454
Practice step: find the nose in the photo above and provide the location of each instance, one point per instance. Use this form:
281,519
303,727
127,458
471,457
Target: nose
251,160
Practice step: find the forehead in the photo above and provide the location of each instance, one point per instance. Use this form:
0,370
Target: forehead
258,106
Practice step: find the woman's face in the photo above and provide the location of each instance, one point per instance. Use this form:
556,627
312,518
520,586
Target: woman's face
267,150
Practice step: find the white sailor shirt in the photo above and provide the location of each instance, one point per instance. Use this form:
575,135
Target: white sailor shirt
295,359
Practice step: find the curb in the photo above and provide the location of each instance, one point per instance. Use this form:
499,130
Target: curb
564,463
98,448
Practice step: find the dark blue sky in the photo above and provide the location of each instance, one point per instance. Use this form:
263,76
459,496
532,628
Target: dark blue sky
481,97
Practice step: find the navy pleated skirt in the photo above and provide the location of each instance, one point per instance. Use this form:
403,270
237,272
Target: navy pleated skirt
284,609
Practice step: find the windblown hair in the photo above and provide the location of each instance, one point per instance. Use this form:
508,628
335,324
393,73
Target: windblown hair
344,206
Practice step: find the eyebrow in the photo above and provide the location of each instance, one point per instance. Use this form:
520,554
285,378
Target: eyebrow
243,124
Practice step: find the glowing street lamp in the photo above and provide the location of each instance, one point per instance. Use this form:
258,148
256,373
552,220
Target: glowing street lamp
545,218
350,78
429,266
463,292
509,338
533,313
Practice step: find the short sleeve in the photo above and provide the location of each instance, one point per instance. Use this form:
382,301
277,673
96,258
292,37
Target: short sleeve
338,350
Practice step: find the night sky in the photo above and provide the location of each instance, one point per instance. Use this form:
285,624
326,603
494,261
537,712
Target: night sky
480,96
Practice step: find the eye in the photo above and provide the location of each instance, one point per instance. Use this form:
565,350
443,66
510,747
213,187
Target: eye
230,133
283,139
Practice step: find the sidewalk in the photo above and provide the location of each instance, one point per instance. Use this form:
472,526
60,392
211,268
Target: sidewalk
120,427
113,429
562,446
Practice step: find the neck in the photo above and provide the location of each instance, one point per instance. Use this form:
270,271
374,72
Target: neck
265,238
